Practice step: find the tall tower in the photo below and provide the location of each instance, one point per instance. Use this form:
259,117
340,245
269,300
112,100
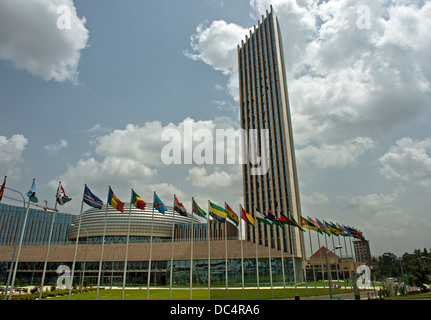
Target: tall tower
264,106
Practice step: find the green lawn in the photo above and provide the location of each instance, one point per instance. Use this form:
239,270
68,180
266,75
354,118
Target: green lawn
199,294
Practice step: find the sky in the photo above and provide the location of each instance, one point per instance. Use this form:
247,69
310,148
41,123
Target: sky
88,89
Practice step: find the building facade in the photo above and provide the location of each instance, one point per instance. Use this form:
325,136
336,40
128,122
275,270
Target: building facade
265,117
362,251
181,243
184,251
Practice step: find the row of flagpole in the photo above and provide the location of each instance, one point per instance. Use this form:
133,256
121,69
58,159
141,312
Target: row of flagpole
216,212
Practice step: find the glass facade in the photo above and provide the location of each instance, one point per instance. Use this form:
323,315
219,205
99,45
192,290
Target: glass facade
137,272
37,233
37,228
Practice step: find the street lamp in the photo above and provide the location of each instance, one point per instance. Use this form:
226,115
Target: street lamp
85,256
402,275
328,269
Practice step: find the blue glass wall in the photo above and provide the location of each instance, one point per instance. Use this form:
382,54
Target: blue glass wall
37,228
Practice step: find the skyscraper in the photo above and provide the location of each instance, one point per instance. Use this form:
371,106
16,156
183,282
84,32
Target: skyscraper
264,106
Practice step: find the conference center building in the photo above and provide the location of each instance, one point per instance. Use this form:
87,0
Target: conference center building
183,243
133,231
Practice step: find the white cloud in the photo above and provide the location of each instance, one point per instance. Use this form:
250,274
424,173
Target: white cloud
216,45
54,148
130,158
11,153
409,160
381,217
344,81
31,40
339,156
221,185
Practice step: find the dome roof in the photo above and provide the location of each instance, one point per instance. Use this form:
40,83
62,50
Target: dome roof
117,223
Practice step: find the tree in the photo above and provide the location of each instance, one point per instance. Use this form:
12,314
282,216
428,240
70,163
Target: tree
419,272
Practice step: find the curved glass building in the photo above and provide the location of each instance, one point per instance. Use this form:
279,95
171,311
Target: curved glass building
137,223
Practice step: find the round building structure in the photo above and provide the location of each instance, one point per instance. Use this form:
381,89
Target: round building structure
143,224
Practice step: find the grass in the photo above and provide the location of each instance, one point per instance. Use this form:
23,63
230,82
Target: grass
201,294
426,295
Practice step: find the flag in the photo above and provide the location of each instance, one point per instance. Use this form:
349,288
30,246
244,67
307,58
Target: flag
285,219
331,228
178,206
323,227
114,201
274,219
347,230
263,218
315,224
2,188
158,204
355,233
91,199
290,221
137,201
308,225
31,194
217,212
295,223
61,196
247,218
232,215
198,211
343,232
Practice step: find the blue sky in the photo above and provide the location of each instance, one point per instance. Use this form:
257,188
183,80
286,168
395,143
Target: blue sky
88,104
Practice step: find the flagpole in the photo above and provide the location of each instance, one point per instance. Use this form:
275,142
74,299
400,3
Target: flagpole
127,246
314,271
303,264
321,264
191,253
19,248
49,244
151,248
76,241
342,263
327,274
209,253
336,265
270,260
257,259
225,251
282,259
103,246
172,250
293,258
242,253
347,256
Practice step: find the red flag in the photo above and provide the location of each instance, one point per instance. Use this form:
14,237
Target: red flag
2,188
180,208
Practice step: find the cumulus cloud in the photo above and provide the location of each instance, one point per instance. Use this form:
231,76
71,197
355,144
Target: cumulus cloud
339,156
11,153
216,45
381,216
54,148
131,157
34,37
409,160
346,78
